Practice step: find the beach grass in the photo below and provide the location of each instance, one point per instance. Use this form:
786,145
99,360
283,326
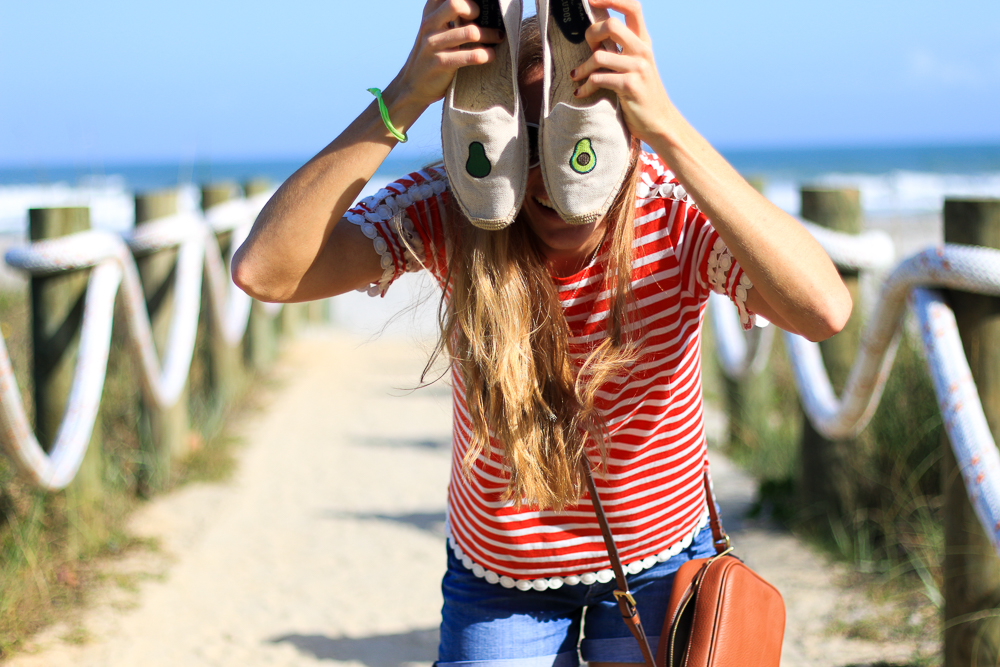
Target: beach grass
893,535
52,544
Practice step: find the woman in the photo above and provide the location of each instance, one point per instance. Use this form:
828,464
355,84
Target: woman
569,343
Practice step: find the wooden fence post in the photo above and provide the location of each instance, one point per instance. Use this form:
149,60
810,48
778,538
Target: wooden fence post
57,303
317,311
261,340
256,186
226,373
971,566
167,436
828,484
292,318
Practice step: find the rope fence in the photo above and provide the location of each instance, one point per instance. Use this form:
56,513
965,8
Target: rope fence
913,285
113,270
916,285
964,268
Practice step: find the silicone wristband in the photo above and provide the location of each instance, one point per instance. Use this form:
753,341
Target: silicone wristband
401,136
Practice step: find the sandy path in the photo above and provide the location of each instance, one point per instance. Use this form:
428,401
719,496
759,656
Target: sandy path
327,547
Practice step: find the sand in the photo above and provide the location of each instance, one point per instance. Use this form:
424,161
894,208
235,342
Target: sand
327,546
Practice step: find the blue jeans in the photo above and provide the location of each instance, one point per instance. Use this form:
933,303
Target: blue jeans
487,625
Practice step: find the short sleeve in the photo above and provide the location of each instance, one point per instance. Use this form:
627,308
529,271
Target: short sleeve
706,264
406,222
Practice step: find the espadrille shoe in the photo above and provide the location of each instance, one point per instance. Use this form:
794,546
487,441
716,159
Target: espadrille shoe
583,142
483,134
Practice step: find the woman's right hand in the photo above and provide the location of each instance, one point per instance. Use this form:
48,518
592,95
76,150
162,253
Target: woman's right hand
447,40
296,250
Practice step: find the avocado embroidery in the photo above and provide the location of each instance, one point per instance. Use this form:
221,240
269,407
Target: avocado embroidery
478,165
584,160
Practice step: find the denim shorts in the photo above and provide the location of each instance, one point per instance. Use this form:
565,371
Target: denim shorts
487,625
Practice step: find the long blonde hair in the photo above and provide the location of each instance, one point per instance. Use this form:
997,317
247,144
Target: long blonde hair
502,324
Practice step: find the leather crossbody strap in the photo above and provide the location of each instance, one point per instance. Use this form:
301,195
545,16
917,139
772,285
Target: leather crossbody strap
626,603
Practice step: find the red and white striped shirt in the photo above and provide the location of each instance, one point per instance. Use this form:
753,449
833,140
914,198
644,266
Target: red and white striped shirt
652,490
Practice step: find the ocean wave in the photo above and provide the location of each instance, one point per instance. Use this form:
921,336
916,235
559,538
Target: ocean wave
893,193
898,192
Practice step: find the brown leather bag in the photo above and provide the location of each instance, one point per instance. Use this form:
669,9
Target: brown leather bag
720,613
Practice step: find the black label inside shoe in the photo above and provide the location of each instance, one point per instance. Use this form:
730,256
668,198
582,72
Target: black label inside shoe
490,15
572,19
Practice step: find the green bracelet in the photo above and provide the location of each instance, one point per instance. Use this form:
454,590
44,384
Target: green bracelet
385,116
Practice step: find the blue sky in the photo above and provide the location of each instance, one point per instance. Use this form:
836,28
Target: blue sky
112,81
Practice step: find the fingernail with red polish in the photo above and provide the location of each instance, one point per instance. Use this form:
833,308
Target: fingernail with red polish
572,74
576,93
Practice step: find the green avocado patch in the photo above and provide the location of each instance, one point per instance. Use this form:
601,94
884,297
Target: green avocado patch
584,160
478,165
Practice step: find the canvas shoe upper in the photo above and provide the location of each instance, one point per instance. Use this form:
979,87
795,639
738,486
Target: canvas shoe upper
583,142
483,135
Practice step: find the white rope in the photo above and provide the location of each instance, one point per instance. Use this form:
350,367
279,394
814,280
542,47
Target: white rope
113,268
741,353
971,439
962,268
871,250
54,471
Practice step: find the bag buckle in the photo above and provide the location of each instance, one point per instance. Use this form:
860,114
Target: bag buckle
627,595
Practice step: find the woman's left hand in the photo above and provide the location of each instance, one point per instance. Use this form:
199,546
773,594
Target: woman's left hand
631,74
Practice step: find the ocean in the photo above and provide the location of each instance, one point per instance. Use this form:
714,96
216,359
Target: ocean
894,181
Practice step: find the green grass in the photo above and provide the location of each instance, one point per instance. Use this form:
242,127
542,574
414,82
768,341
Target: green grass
893,535
51,544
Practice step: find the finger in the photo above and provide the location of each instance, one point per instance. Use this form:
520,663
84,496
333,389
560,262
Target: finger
467,34
614,30
617,82
603,61
454,11
431,6
632,11
465,57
